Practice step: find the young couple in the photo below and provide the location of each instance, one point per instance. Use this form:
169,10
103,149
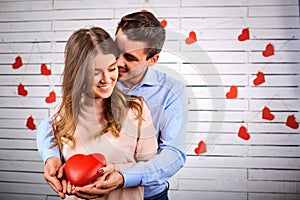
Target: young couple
115,104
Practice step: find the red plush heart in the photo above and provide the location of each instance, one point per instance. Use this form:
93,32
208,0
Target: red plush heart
21,90
18,62
44,70
163,23
244,35
30,124
266,114
51,98
291,122
201,148
82,169
260,78
192,38
243,133
269,51
233,92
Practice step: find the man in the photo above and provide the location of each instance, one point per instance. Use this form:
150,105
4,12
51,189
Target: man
140,38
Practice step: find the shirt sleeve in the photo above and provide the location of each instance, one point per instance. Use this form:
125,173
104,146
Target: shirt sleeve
147,145
44,140
171,156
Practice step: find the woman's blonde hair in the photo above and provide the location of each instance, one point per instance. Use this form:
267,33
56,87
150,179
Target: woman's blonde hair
82,46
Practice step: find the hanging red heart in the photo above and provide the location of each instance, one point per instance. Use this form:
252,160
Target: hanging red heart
192,38
163,23
18,63
243,133
21,90
269,50
82,169
244,35
233,92
51,98
201,148
44,70
30,124
291,122
260,78
266,114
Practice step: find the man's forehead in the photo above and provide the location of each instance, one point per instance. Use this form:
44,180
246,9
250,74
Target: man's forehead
126,45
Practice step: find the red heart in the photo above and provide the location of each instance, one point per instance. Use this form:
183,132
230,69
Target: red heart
269,51
51,98
82,169
163,23
243,133
244,35
201,148
260,78
30,124
192,38
18,62
21,90
232,93
291,122
44,70
266,114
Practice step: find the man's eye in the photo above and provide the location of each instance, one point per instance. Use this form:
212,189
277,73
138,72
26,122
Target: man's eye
129,57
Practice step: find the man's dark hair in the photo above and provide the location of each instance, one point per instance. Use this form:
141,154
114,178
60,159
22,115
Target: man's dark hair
144,26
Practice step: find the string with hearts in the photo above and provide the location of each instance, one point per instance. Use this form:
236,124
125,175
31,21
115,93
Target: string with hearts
22,91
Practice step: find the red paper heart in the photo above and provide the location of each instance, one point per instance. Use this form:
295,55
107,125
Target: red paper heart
244,35
51,98
192,38
260,78
269,50
18,62
233,92
82,169
266,114
201,148
44,70
21,90
163,23
243,133
30,124
291,122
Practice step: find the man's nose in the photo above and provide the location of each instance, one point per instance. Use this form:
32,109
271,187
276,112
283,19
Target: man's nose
121,61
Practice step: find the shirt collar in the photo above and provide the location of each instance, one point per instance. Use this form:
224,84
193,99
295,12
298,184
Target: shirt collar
151,78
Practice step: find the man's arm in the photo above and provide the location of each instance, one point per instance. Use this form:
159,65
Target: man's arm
171,155
53,170
44,140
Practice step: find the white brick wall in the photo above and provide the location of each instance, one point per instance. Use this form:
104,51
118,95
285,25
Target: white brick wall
267,166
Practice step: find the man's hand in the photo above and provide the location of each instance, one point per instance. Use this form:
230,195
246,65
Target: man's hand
108,181
53,171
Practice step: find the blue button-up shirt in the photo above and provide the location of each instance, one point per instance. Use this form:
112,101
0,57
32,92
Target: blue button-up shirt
167,100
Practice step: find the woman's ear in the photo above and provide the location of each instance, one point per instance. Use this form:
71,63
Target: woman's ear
153,60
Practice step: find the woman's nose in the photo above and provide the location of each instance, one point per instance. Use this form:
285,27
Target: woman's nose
105,78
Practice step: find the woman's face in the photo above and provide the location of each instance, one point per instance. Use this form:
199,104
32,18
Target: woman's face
105,75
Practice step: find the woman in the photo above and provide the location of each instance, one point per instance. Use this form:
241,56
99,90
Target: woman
94,116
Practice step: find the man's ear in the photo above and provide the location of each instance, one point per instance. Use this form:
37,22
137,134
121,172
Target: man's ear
153,60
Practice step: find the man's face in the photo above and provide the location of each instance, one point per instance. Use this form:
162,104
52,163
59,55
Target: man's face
132,61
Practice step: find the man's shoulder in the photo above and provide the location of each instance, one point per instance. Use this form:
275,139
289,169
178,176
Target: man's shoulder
169,81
